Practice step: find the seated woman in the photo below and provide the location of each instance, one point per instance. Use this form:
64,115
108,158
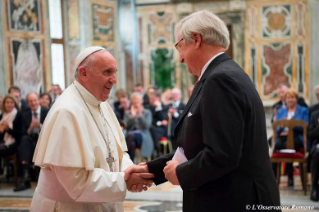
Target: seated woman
45,100
138,122
292,111
11,126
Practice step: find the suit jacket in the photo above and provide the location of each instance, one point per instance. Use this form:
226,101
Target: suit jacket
180,110
301,113
313,130
27,116
313,109
223,133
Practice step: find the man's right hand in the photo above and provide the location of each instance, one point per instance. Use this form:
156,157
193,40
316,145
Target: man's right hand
138,178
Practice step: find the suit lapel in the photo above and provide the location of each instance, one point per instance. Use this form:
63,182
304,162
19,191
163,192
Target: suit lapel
200,84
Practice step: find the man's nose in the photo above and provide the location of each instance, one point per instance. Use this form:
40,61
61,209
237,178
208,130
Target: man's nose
113,79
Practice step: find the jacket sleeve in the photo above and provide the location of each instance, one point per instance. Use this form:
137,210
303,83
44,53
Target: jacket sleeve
156,167
222,111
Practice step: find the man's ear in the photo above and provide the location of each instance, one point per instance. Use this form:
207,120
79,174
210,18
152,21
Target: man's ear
198,40
83,73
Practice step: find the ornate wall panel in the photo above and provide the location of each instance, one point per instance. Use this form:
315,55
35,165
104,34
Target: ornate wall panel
157,55
103,24
277,36
27,65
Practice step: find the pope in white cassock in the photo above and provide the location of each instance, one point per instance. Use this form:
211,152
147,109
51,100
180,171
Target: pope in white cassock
81,148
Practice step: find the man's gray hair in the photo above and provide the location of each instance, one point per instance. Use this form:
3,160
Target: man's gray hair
316,87
212,29
87,62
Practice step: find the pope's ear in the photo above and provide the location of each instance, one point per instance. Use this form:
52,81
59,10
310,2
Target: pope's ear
83,73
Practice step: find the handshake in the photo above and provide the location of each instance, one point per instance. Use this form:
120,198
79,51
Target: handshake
138,178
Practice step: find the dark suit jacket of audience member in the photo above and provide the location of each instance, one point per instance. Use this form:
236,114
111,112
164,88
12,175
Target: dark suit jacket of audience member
313,108
146,100
313,130
27,116
158,115
17,130
175,120
223,133
301,113
24,106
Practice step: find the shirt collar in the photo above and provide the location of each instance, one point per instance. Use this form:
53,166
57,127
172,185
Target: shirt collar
207,64
87,96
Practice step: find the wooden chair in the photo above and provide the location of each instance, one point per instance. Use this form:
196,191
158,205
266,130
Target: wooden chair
166,144
14,159
299,156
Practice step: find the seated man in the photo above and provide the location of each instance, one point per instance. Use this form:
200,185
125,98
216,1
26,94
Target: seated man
313,135
33,118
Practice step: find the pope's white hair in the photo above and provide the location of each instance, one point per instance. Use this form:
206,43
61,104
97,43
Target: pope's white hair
212,29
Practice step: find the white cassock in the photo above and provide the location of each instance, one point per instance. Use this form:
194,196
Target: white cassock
71,151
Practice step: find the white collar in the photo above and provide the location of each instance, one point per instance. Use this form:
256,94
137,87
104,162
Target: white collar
87,96
207,64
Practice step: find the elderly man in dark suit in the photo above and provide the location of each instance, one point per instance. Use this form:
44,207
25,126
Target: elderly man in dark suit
222,129
33,120
175,111
313,135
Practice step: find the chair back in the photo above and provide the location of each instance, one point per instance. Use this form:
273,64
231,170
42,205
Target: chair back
291,124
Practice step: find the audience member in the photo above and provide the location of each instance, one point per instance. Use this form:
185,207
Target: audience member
316,106
166,97
45,100
176,109
282,104
138,121
118,95
146,97
16,92
313,135
140,89
292,111
1,98
55,92
11,126
33,119
123,107
160,116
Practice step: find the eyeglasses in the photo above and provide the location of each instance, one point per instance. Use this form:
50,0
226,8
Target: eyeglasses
177,46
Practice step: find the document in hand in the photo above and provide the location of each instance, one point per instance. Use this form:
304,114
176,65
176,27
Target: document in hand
179,155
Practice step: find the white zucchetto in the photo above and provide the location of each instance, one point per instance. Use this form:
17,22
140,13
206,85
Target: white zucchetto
85,53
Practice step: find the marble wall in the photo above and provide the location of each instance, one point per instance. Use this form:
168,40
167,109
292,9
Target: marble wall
277,46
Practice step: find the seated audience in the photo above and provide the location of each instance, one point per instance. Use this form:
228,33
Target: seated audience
11,126
282,104
313,135
45,100
292,111
33,119
160,116
138,122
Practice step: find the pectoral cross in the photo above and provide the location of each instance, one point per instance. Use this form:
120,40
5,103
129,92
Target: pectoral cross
110,160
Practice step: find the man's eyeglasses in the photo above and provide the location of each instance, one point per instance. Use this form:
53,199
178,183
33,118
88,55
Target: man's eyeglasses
177,46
